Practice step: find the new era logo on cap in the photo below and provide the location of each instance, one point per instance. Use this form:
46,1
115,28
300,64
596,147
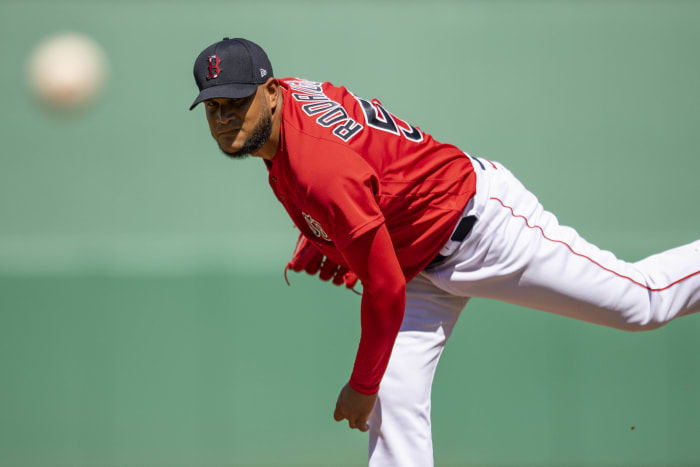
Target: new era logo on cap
231,68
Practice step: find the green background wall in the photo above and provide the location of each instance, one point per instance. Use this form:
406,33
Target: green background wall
144,320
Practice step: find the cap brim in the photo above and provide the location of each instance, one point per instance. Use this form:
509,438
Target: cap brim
231,91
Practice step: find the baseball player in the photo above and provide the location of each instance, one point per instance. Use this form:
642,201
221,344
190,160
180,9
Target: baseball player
424,226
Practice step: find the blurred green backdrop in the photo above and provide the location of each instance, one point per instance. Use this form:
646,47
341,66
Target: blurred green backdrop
144,320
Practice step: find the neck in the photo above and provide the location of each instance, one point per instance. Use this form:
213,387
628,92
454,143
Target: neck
269,150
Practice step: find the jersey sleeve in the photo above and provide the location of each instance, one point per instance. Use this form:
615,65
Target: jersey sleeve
373,259
340,190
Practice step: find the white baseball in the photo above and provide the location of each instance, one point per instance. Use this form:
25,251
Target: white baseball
67,70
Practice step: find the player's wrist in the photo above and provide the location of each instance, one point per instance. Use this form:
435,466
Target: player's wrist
368,390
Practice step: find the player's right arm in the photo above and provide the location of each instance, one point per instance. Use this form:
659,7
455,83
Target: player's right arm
340,188
373,258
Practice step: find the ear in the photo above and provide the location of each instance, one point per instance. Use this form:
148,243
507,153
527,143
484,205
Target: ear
271,88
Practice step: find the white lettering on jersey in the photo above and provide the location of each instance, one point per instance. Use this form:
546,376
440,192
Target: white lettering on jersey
315,227
330,113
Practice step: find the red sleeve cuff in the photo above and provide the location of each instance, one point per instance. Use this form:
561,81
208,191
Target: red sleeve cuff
367,390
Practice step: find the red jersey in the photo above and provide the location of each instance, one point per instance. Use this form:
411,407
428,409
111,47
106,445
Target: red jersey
345,166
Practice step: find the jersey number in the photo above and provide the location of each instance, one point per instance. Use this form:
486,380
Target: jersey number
378,117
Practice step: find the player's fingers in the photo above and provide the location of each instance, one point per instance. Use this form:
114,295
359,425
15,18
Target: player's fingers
362,424
328,270
339,277
314,263
337,415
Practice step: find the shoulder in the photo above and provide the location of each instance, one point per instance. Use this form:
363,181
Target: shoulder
331,166
321,110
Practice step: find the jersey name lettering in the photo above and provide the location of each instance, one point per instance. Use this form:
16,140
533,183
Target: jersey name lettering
330,113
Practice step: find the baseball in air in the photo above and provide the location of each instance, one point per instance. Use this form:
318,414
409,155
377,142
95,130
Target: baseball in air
67,71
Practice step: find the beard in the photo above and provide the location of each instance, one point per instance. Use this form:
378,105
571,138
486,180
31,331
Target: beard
257,139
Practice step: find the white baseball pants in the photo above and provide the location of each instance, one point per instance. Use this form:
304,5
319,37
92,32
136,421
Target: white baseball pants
517,253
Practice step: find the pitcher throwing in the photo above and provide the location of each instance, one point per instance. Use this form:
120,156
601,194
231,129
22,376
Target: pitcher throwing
424,226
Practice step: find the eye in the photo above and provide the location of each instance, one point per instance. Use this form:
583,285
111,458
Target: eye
241,101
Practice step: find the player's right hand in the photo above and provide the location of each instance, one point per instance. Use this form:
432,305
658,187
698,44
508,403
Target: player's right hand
308,258
354,407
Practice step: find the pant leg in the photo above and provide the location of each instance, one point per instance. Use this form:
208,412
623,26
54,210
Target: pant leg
400,434
518,253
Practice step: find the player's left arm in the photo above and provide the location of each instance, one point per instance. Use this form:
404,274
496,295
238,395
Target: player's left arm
372,257
307,257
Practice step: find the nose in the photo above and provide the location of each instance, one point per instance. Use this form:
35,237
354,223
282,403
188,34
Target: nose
225,114
222,117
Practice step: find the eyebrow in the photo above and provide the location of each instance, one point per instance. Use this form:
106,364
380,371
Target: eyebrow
240,99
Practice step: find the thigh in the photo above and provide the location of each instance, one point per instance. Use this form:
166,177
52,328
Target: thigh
518,253
429,318
400,431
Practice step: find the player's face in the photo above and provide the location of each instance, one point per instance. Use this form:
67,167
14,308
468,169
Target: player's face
240,126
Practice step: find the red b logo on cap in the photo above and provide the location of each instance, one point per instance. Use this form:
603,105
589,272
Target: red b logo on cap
214,69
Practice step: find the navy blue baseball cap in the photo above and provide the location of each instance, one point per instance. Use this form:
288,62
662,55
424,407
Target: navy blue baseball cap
232,68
